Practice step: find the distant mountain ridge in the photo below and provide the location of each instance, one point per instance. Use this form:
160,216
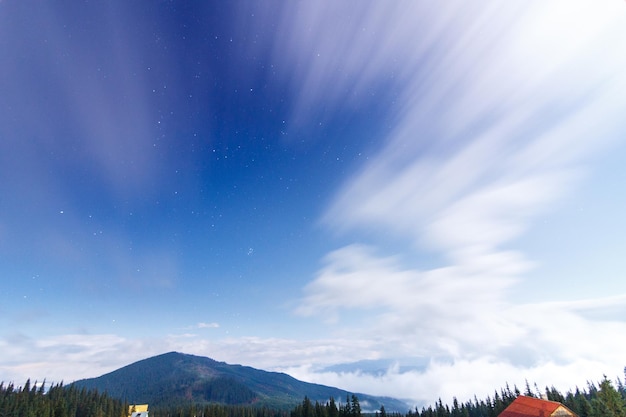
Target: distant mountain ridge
174,378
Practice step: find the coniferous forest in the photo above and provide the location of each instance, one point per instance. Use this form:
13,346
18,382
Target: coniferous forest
604,399
37,400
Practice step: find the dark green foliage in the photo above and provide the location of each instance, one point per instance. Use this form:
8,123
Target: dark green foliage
351,408
597,401
215,410
578,403
59,401
609,400
355,407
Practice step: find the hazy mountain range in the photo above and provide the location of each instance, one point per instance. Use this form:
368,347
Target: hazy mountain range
174,378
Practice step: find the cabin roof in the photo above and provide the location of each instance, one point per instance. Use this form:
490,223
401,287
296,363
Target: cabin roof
524,406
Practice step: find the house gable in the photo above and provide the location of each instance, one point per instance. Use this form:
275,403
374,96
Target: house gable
524,406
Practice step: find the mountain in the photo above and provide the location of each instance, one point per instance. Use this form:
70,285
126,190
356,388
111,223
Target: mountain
174,378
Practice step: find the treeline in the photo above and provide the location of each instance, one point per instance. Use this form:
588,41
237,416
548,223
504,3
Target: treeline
215,410
33,400
351,408
602,400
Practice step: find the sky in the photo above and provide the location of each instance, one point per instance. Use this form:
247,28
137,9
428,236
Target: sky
415,199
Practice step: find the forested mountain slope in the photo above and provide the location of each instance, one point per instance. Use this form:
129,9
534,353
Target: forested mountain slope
180,378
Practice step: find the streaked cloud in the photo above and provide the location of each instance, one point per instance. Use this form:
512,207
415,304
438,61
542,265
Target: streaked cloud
443,376
47,357
495,125
207,325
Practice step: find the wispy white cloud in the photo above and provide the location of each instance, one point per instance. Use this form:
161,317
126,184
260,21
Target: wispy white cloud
502,108
73,356
461,379
538,332
212,325
65,357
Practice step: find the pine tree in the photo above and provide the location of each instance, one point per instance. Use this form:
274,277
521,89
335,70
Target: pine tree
355,407
333,411
613,400
528,392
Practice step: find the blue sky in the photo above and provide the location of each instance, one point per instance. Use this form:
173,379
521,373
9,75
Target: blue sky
301,186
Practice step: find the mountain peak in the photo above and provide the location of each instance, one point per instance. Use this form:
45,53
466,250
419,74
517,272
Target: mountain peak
175,377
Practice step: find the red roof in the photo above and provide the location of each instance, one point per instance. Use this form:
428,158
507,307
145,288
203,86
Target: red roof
524,406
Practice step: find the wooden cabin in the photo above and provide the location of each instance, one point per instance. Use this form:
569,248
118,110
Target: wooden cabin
524,406
138,410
